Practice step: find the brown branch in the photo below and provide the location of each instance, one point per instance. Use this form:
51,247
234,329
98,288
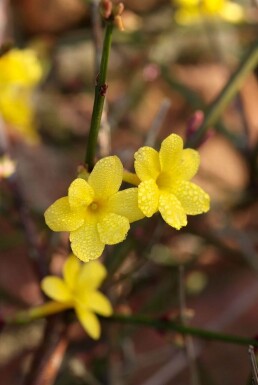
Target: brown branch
36,252
48,359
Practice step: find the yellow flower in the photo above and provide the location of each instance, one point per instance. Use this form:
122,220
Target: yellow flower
78,290
20,71
17,110
165,185
20,67
95,212
190,11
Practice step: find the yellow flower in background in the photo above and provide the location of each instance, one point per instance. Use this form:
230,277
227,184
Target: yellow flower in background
17,110
20,72
95,212
191,11
79,290
165,185
20,67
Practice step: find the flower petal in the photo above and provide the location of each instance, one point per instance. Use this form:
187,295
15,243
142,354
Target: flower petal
106,177
125,203
60,217
80,193
188,15
85,242
189,164
89,322
170,152
172,211
99,303
148,197
113,228
232,12
192,197
20,67
147,163
91,276
71,270
56,289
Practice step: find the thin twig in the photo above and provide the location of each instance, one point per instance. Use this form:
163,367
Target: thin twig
48,359
231,88
3,20
52,307
104,132
157,123
185,330
4,143
189,345
36,252
99,99
233,311
246,129
254,364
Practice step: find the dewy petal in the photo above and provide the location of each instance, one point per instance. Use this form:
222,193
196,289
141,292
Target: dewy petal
56,289
188,165
71,270
170,152
148,197
99,303
85,242
113,228
125,203
80,194
147,163
172,211
60,217
89,322
106,177
193,199
91,276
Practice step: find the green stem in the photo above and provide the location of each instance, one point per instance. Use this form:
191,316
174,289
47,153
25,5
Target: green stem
100,93
130,177
185,330
53,307
42,311
214,111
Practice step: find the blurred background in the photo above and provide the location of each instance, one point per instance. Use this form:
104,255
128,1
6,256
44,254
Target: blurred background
172,60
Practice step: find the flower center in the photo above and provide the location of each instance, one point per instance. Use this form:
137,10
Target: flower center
163,181
93,206
95,211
